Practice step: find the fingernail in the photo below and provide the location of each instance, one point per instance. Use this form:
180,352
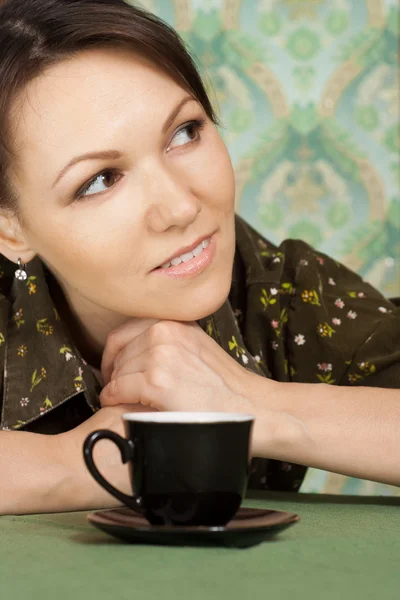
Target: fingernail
112,387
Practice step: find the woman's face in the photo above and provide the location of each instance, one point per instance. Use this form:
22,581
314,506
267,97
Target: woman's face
106,224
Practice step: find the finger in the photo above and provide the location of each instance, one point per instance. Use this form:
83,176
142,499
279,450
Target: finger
139,364
118,339
132,353
129,389
163,355
167,337
159,334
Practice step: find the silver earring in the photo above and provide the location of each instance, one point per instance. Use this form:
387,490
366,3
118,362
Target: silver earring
20,273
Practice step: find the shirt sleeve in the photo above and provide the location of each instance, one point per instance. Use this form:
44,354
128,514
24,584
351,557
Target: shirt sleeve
337,328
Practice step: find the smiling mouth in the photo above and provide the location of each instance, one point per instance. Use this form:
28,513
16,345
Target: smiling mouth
193,261
186,256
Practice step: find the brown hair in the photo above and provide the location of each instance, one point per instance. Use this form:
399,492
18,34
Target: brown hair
35,34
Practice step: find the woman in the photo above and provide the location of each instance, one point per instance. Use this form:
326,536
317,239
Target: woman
137,288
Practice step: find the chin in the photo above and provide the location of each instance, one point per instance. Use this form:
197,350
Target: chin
206,302
200,311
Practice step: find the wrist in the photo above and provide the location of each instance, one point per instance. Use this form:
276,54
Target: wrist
278,433
66,456
77,490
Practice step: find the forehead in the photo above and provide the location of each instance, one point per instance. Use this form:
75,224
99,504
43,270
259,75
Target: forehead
87,98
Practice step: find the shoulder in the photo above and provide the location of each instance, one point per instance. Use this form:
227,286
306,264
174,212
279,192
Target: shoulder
322,290
265,260
293,258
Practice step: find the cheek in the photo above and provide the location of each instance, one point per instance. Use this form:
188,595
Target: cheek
216,176
83,244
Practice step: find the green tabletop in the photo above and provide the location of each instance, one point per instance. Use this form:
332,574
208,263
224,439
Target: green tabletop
343,548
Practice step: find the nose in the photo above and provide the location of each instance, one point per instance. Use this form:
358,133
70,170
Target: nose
172,201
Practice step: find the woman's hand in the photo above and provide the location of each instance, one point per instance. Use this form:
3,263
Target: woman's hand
169,365
176,366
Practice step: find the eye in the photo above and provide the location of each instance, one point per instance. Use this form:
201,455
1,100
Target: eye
187,134
99,184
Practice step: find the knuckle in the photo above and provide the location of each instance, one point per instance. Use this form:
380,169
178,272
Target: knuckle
159,378
162,330
160,353
156,333
113,340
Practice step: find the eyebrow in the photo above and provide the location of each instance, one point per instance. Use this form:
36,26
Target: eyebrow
114,154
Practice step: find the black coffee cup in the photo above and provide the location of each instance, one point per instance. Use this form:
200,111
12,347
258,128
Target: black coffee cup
187,468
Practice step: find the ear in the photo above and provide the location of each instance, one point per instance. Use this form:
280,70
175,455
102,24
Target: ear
13,241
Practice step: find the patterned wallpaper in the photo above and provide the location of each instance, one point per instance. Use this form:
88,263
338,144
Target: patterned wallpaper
308,94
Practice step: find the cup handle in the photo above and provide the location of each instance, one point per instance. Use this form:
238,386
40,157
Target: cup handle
126,448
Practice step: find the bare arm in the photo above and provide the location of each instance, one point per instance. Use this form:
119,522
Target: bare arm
349,430
45,473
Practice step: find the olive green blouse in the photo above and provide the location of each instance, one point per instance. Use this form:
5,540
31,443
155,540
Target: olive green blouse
293,314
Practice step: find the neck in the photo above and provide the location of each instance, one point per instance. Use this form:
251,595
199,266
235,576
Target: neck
86,323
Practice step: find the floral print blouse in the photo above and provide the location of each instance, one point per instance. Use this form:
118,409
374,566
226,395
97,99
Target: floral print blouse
293,314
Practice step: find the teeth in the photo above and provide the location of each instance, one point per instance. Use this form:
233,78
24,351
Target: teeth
198,249
187,256
176,261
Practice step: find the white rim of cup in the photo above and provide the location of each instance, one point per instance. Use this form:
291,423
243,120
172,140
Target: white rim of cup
188,417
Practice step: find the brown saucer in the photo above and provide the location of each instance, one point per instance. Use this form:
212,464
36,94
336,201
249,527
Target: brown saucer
250,526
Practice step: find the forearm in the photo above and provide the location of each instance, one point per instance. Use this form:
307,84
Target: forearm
47,473
353,431
31,473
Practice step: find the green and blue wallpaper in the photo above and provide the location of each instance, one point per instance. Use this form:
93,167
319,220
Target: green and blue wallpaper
308,95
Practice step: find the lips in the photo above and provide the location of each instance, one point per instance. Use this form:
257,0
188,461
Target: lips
185,249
